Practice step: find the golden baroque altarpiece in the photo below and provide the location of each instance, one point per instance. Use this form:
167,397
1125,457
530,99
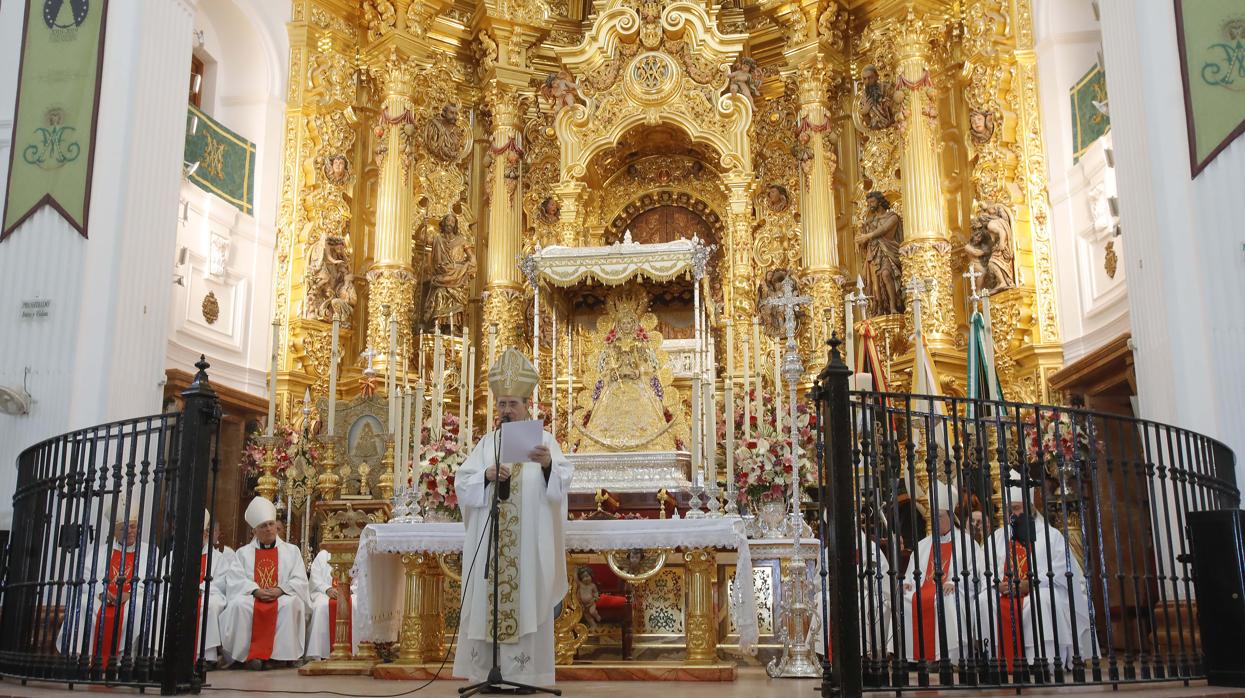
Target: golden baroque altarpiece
762,126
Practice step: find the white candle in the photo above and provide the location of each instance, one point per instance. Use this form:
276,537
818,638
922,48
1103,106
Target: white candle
401,448
730,349
553,369
697,474
747,398
272,377
471,395
711,431
333,358
570,375
728,414
492,353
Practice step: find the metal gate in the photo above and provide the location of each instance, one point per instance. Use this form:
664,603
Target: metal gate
102,577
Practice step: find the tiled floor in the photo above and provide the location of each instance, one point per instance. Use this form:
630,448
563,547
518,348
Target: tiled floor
752,683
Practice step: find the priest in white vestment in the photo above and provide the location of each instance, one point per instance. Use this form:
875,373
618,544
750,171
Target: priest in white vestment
106,620
217,595
1025,546
265,620
952,569
324,603
532,565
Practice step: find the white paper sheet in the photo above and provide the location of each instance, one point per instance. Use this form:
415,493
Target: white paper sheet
519,438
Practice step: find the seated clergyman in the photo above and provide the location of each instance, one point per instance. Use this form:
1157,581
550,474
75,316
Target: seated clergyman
265,621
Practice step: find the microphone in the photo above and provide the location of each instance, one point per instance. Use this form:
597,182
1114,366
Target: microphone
503,486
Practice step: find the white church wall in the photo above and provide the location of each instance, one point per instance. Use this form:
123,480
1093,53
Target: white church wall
98,356
1186,244
228,252
1093,306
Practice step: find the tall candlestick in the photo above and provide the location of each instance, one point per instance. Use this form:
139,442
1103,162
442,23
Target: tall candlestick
711,431
418,431
438,390
492,356
553,369
471,395
402,449
272,377
393,373
849,329
728,416
777,386
697,432
333,359
757,352
730,349
462,384
747,396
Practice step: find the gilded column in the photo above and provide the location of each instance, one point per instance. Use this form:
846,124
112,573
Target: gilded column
504,304
702,629
926,253
819,244
739,295
391,278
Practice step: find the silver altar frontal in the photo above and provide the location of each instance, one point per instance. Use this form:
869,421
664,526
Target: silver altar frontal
631,472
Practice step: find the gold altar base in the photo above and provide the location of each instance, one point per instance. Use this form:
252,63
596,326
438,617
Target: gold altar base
338,667
621,671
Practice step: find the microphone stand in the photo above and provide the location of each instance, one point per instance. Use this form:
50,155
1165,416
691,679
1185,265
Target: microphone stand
495,683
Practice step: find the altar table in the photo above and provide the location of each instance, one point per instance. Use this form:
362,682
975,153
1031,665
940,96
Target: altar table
398,569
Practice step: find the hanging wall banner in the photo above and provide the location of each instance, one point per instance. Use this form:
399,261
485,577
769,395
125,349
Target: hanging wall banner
57,105
1089,111
225,161
1211,34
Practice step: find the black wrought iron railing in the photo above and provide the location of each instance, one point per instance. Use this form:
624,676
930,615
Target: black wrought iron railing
989,543
102,576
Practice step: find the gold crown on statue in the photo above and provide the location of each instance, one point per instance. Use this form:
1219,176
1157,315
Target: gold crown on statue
512,375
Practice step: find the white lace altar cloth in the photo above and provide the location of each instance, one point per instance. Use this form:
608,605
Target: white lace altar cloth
381,583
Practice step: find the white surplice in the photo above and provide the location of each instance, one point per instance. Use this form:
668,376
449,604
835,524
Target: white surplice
217,598
82,614
966,569
541,566
291,630
1056,605
319,632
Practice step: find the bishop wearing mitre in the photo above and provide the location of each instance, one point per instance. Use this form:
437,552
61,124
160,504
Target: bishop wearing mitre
531,569
941,585
1031,562
265,620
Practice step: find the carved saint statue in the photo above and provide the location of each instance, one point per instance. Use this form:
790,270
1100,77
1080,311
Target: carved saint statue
550,209
443,137
990,248
453,269
560,90
879,239
877,107
330,282
743,79
776,197
773,317
337,170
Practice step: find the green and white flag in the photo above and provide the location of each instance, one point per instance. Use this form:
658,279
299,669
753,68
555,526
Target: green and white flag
57,105
983,379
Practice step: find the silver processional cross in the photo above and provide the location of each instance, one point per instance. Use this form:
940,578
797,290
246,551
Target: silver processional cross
788,301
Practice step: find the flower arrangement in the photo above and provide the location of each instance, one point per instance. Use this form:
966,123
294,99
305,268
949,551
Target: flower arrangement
290,446
438,463
1050,434
763,461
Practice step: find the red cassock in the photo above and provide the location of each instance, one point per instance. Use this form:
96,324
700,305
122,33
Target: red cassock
110,620
1011,622
264,620
926,645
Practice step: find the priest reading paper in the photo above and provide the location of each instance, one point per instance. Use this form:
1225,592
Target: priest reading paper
532,560
266,619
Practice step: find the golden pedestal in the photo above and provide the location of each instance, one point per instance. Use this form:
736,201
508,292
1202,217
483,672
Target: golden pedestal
422,642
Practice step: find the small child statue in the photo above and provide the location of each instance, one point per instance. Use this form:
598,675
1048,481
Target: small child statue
588,595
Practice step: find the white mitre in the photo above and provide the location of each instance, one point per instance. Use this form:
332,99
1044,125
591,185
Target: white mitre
947,497
259,512
120,515
1016,494
207,519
